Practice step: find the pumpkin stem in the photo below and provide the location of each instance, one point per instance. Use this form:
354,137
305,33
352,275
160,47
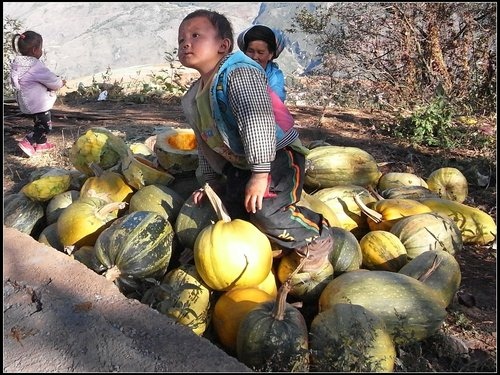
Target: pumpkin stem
279,307
219,208
112,274
435,264
372,214
375,193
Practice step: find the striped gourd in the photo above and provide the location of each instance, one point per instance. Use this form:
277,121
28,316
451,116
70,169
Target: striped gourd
328,166
383,250
135,247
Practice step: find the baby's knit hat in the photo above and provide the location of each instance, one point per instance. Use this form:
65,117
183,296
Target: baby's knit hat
274,38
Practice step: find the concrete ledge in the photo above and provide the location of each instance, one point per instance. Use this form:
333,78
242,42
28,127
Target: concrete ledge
60,316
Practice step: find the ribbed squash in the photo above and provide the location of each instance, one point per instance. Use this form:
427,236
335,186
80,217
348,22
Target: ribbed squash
317,205
97,145
231,253
428,231
83,220
22,213
274,337
48,185
346,254
383,214
230,309
411,310
140,172
135,247
397,179
449,183
341,200
475,225
183,296
58,203
349,338
157,198
382,250
329,166
438,270
176,150
192,219
305,286
107,185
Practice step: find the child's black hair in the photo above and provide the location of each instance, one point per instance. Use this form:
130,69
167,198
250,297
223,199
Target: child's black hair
26,42
219,21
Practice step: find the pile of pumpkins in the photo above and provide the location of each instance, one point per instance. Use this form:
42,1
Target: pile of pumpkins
126,212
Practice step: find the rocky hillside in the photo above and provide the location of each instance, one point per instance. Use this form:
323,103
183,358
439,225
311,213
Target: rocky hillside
85,38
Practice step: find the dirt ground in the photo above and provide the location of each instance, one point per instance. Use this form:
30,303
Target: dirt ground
470,328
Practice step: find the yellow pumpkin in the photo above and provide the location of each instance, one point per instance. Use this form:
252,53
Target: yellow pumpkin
316,204
83,220
384,213
341,200
475,225
231,253
383,250
108,185
231,308
269,284
48,185
449,183
391,180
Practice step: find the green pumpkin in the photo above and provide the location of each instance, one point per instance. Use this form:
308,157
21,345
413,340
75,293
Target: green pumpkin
329,166
349,338
273,336
305,286
87,256
135,247
428,231
192,219
157,198
183,296
50,237
437,269
346,254
58,203
22,213
411,310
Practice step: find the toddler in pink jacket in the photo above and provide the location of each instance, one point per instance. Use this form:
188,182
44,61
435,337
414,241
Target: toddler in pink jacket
35,89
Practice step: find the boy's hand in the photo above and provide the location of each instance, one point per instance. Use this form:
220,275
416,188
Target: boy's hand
255,191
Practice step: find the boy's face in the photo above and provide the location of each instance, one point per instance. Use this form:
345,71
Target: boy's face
200,47
258,50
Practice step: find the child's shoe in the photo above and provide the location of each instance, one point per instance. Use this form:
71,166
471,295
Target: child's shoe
26,146
43,147
317,251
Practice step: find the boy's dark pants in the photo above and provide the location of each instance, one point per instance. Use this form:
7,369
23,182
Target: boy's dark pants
286,224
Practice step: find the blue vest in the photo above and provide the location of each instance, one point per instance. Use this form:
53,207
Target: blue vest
223,114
